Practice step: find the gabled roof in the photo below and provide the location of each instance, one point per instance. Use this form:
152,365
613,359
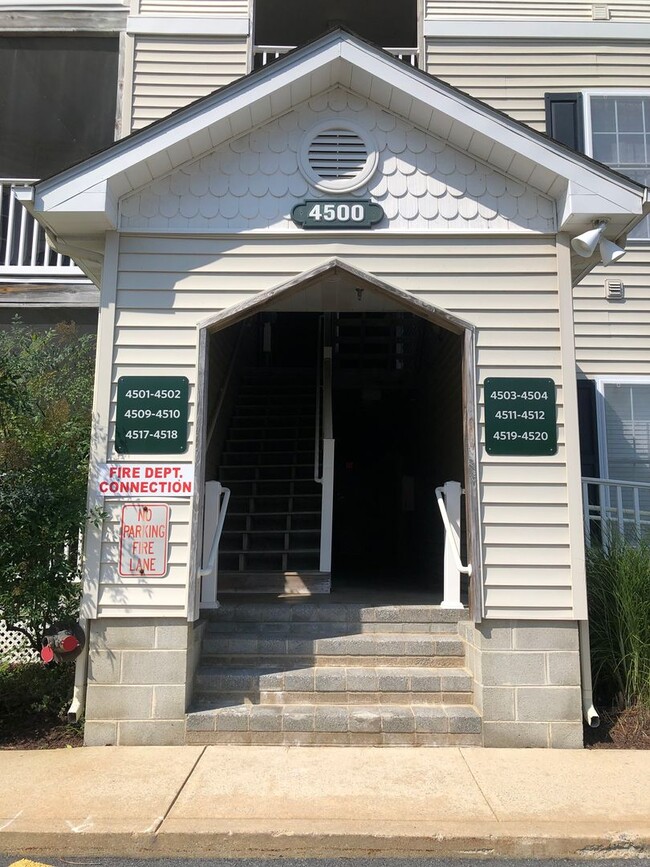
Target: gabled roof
83,200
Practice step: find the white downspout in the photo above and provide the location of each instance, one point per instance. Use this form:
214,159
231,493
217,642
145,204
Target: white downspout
76,709
588,710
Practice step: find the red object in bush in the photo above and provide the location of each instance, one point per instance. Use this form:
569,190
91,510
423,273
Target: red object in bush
69,643
47,654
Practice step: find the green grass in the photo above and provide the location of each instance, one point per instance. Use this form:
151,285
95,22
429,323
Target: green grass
618,587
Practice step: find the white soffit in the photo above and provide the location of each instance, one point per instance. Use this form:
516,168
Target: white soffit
342,59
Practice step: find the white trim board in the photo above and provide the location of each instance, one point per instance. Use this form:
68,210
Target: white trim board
578,31
146,25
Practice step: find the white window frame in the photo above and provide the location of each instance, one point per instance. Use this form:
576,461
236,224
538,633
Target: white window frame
601,423
587,131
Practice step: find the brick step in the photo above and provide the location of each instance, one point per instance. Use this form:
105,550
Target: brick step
309,611
335,724
255,660
319,629
401,644
353,680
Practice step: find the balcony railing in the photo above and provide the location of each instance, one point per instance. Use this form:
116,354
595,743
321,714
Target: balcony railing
25,253
613,508
265,54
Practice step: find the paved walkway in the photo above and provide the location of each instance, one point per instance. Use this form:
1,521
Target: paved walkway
329,801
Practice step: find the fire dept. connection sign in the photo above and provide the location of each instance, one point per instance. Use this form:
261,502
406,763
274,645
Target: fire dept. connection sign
133,481
143,540
520,416
151,415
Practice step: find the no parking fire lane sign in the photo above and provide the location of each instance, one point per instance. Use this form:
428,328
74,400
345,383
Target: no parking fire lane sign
144,536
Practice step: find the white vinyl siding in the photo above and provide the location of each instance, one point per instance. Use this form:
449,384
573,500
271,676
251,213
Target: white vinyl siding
558,10
170,73
513,76
166,285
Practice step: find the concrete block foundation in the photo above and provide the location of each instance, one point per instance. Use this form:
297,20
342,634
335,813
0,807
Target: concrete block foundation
140,676
526,682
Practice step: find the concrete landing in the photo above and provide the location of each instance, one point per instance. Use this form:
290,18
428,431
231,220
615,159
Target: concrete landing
299,802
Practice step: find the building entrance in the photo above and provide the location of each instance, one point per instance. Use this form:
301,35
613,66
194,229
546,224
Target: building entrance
394,391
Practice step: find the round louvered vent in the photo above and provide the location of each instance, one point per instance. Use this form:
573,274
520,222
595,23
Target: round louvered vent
337,157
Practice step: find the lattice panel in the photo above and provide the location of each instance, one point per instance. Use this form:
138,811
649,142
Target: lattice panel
14,646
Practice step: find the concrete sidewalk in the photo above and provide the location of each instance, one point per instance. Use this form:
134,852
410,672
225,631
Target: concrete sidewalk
329,801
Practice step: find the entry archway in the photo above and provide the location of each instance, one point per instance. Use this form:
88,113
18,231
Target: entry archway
275,324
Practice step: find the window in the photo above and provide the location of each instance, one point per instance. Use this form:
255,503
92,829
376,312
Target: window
618,134
625,429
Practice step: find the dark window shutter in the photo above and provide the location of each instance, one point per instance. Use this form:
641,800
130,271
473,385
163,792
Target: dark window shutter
564,119
589,458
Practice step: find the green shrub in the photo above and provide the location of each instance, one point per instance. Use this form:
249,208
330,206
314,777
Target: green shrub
618,586
32,689
46,380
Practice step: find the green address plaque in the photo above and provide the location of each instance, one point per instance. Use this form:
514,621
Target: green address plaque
337,214
151,415
520,416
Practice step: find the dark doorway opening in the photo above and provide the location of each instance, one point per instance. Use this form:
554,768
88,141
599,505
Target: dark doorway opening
398,432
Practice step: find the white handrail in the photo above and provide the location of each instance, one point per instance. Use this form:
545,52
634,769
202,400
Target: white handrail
216,500
466,570
214,547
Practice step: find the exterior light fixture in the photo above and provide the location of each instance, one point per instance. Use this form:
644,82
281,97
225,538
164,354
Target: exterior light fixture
609,251
585,244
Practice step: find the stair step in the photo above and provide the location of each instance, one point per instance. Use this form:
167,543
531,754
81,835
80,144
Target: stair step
411,682
260,523
297,583
335,724
401,645
311,611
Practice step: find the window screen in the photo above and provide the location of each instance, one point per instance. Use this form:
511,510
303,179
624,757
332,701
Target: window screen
57,102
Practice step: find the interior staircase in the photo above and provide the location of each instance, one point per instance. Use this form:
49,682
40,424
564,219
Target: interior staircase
307,671
271,535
